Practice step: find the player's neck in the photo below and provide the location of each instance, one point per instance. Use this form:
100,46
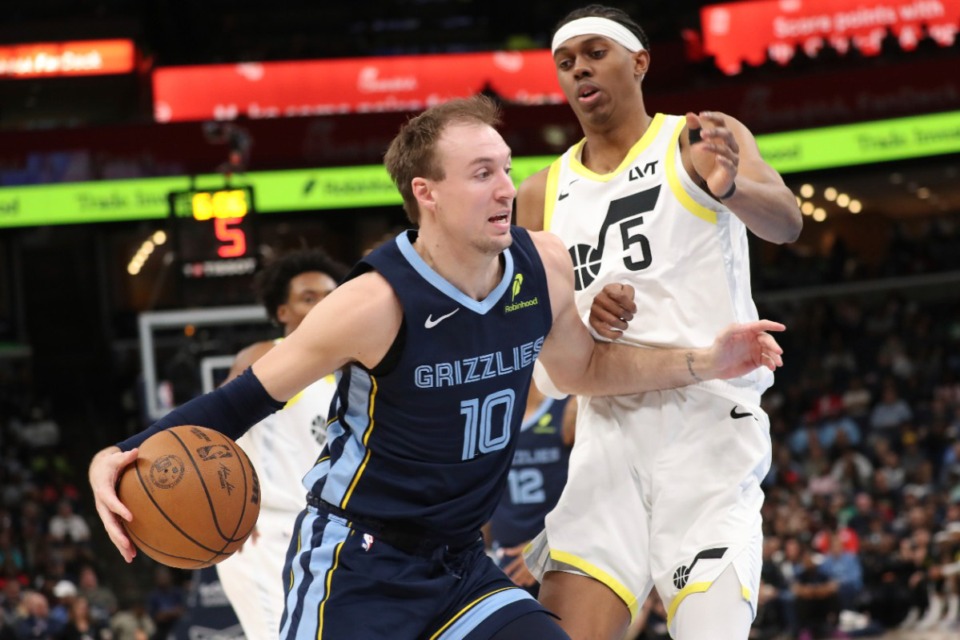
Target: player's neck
474,273
608,145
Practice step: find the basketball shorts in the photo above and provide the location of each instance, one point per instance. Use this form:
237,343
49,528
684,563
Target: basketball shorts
252,578
344,583
663,490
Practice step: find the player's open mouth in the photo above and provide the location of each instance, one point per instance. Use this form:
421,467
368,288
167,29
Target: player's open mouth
501,218
587,92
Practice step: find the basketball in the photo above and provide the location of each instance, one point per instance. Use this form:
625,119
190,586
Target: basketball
194,496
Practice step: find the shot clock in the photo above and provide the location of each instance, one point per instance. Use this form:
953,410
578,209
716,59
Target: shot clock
214,231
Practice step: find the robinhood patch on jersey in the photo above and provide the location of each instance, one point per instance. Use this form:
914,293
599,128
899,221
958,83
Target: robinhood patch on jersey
516,305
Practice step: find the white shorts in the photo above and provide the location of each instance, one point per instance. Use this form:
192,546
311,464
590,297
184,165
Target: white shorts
663,490
252,578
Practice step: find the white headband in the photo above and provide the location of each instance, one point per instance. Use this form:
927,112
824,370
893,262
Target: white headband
596,26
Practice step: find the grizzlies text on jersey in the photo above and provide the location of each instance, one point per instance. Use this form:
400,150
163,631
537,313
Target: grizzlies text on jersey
429,442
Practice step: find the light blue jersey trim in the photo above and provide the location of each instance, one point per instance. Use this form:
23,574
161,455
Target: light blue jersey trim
481,611
439,283
322,563
357,422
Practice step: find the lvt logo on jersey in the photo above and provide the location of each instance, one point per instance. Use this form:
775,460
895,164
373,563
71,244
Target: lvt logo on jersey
515,291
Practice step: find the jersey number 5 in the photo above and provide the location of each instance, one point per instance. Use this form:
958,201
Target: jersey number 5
627,213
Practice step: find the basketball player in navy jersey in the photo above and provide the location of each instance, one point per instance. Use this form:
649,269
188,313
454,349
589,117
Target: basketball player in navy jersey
537,476
433,337
654,210
281,446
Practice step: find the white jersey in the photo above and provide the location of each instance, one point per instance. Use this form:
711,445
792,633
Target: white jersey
286,444
647,223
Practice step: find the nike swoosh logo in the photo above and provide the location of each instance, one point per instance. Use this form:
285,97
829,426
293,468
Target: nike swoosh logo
431,323
562,196
737,416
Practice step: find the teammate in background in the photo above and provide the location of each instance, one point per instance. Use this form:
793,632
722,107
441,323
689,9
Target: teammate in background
663,488
537,476
434,337
281,446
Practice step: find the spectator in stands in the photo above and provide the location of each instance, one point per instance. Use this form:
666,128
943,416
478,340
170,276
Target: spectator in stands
35,625
775,605
816,598
133,622
64,595
80,625
102,600
890,412
67,526
844,568
166,603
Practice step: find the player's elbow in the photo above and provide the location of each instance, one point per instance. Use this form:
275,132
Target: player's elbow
792,228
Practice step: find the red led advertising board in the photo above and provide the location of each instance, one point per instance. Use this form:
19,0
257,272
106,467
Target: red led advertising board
351,85
739,33
58,59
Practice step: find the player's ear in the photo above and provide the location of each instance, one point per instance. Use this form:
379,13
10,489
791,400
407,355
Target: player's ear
641,63
283,314
423,192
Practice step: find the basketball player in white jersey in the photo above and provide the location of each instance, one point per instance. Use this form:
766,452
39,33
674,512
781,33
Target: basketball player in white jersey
663,487
281,446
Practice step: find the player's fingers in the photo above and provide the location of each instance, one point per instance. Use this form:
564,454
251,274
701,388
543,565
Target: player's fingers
771,360
617,299
605,326
116,532
721,137
769,343
766,325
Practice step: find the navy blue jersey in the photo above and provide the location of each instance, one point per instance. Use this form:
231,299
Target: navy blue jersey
429,442
536,478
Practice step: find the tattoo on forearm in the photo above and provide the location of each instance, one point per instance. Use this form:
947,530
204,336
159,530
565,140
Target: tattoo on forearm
693,374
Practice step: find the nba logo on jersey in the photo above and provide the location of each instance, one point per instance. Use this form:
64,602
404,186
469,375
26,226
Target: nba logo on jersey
367,541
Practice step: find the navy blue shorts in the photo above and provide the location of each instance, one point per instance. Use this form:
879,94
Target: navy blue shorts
343,584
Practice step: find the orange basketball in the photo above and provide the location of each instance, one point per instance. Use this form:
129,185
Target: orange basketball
194,496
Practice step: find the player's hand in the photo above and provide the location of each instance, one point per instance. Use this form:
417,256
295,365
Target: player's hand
516,569
717,155
104,472
612,309
741,348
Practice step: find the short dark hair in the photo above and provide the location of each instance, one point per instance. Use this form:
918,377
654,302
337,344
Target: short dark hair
272,283
611,13
412,152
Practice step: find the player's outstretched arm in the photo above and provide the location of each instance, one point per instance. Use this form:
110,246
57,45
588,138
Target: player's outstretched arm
728,159
577,364
357,322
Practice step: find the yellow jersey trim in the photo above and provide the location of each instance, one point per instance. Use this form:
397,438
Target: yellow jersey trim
366,440
600,575
465,610
326,596
676,186
639,147
550,197
696,587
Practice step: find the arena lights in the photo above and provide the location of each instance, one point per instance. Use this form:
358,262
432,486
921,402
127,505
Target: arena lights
830,194
147,247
